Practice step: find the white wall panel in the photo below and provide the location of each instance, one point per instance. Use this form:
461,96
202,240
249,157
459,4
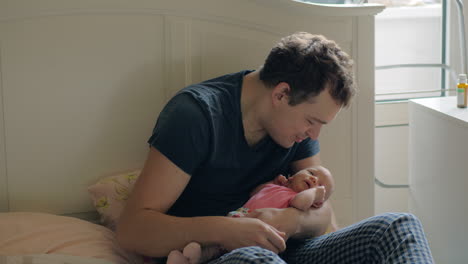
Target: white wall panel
362,148
335,152
391,167
391,153
388,114
391,200
3,172
75,90
84,81
343,208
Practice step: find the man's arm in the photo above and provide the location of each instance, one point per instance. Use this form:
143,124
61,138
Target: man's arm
144,227
296,223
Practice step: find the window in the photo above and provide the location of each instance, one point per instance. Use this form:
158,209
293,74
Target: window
409,50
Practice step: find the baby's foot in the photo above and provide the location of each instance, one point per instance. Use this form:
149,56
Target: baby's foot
176,257
193,253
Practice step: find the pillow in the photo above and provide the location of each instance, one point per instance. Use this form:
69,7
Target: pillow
26,233
110,194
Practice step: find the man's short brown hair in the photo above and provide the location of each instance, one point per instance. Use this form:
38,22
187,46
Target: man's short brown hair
310,63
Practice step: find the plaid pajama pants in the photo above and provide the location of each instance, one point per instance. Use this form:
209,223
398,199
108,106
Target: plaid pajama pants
386,238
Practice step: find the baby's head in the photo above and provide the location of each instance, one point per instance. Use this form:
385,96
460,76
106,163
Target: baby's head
310,178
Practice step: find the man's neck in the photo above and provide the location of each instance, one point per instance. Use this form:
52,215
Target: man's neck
252,101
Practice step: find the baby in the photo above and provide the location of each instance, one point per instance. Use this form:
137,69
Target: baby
307,188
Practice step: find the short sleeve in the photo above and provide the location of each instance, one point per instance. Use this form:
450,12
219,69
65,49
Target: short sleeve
306,149
182,133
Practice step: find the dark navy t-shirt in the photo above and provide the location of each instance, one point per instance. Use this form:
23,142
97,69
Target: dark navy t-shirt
200,130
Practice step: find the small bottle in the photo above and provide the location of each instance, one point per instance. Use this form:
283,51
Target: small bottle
462,87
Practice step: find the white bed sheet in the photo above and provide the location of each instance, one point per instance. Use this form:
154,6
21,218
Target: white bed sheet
51,259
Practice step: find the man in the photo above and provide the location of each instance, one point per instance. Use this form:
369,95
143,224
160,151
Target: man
214,142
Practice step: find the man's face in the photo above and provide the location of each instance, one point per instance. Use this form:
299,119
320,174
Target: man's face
292,124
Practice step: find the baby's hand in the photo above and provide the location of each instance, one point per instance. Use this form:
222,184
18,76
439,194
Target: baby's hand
319,196
281,180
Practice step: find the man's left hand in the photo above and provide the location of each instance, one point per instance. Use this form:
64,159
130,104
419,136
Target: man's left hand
285,219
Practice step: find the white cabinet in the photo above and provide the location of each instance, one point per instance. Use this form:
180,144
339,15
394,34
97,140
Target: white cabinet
438,166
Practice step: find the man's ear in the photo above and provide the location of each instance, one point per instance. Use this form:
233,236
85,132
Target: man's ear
281,92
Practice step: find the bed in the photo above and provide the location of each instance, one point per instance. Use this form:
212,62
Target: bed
82,83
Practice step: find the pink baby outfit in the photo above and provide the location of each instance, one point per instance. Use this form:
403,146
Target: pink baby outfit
270,196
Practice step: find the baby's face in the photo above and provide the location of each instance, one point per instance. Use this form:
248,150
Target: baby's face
310,178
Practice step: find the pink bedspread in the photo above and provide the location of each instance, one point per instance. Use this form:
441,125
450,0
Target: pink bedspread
24,233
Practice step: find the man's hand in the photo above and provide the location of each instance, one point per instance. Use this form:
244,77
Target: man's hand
245,231
285,220
297,223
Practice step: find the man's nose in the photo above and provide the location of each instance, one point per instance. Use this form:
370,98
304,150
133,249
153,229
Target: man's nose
314,132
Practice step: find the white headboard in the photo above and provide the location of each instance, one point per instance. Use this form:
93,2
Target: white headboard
82,83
